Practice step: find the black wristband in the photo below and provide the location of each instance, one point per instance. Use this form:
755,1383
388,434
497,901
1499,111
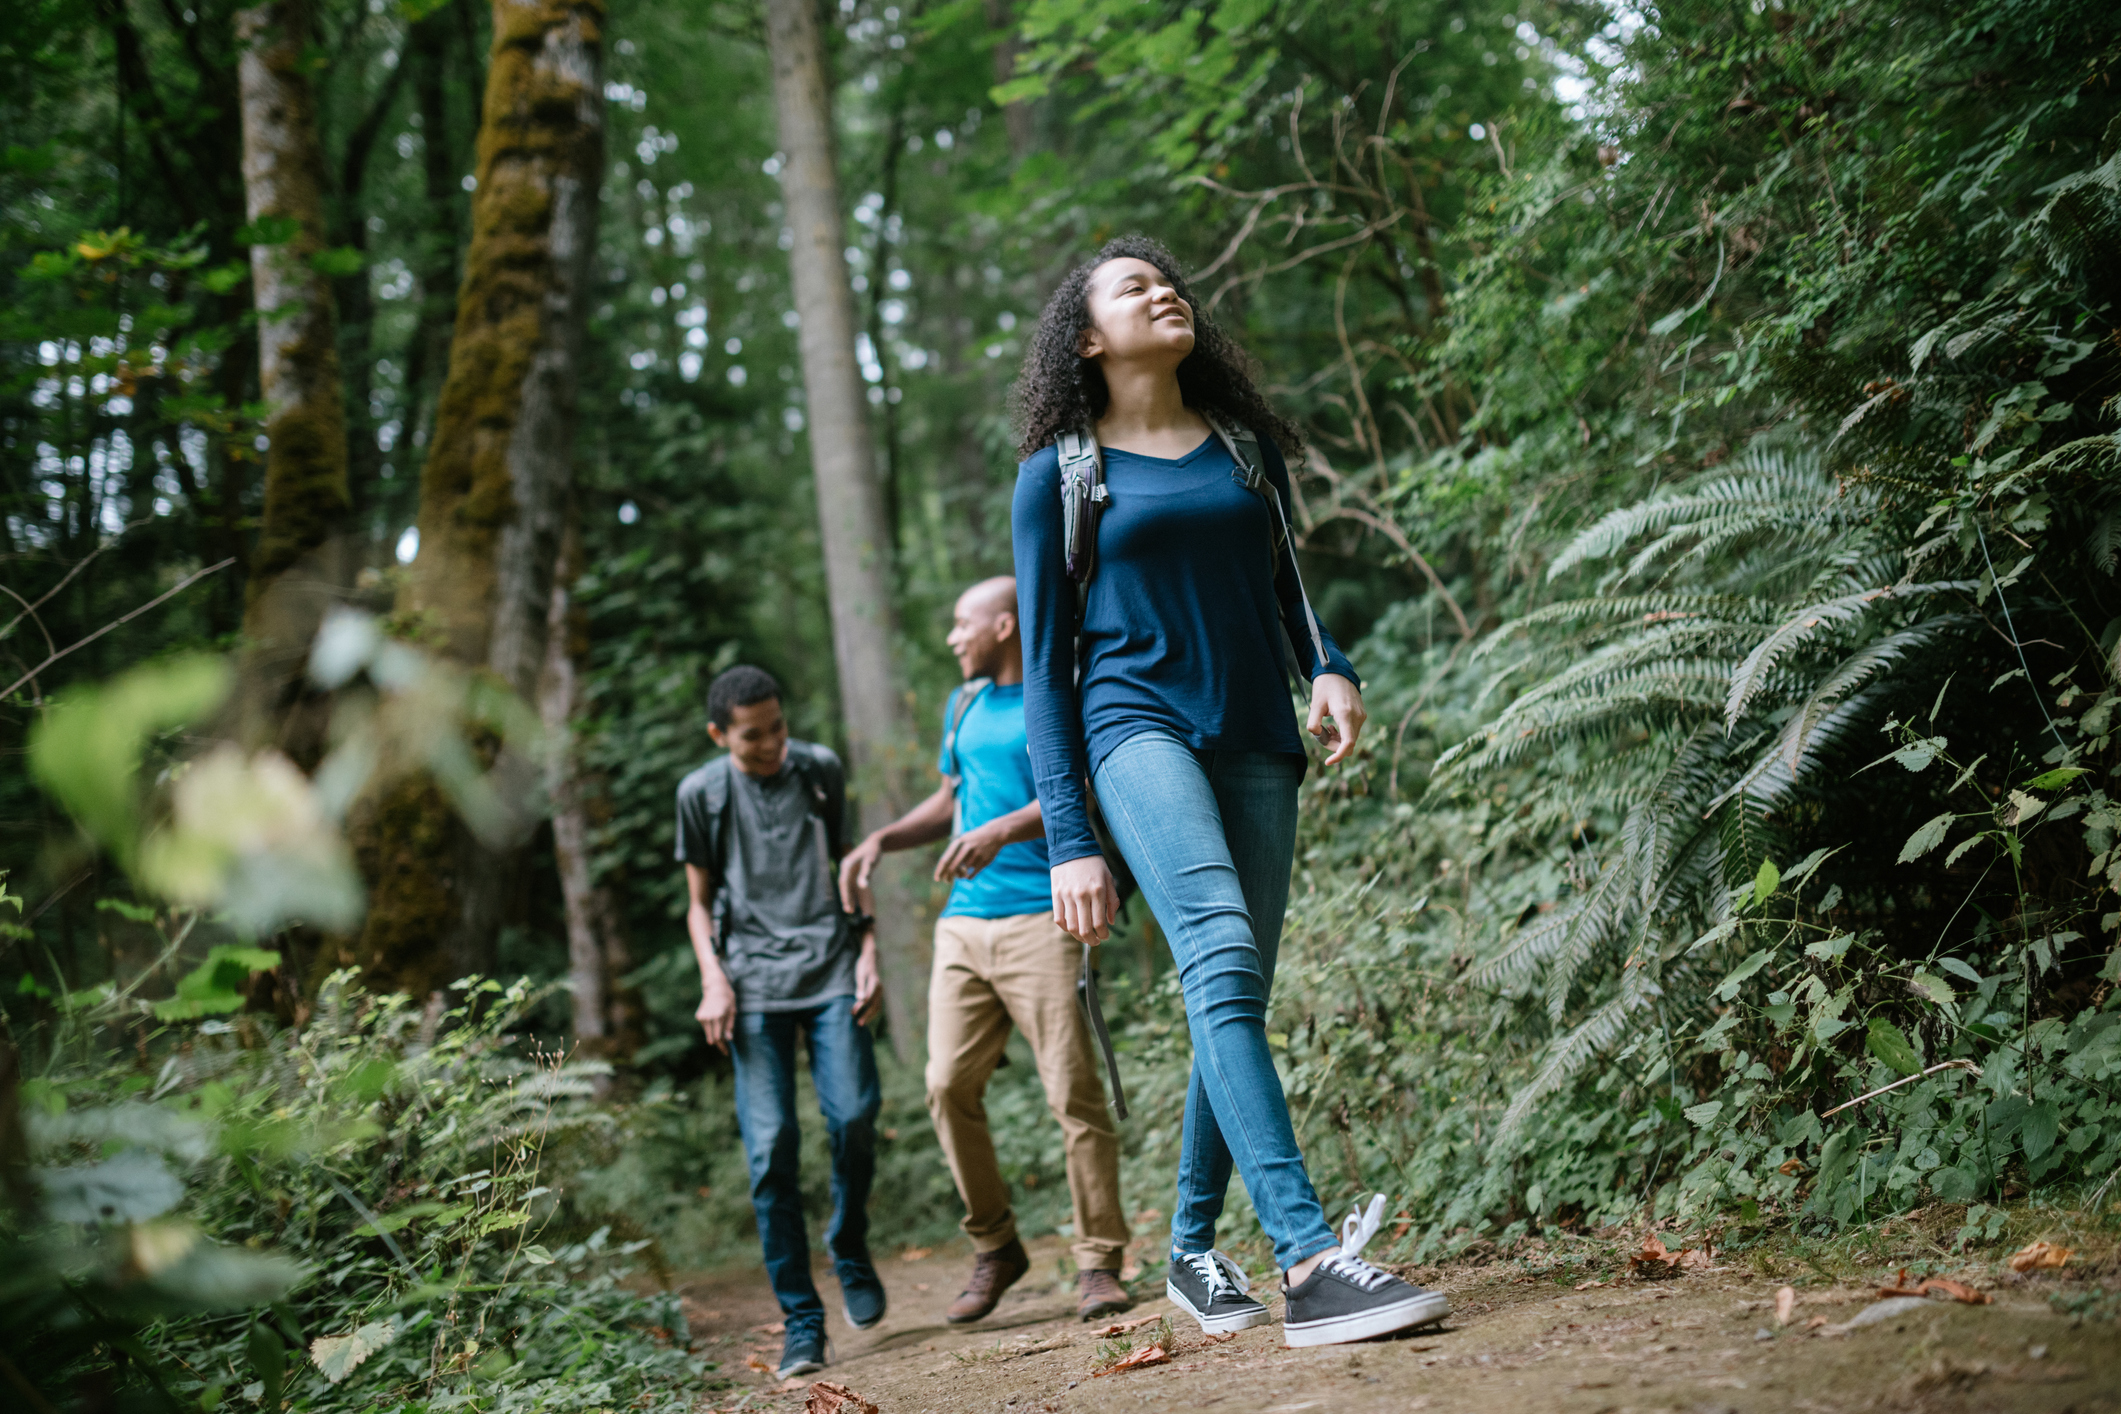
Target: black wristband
861,923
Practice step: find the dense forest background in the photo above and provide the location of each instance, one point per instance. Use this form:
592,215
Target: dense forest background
405,407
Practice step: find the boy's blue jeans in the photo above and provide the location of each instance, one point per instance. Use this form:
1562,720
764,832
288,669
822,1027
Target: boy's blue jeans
1211,836
843,1070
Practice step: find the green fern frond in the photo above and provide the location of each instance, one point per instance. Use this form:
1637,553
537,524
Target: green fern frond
1751,675
1763,489
1570,1055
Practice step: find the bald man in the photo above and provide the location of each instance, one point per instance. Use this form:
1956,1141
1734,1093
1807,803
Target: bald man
1000,959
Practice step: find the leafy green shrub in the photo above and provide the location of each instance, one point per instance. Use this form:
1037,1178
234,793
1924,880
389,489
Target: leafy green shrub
341,1214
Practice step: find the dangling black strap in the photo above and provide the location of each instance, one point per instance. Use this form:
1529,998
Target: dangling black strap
1086,989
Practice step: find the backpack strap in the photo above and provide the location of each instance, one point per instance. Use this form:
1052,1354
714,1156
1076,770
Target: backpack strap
1249,474
1083,494
715,796
809,775
961,704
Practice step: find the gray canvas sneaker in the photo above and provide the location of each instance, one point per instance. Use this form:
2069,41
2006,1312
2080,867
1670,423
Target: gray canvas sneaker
1212,1289
1345,1298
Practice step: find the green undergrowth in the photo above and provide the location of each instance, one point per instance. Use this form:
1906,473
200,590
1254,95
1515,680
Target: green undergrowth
219,1212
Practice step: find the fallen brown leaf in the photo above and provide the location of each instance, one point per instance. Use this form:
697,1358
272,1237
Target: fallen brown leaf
1122,1327
1587,1285
2039,1255
1815,1323
777,1328
753,1362
1138,1359
829,1398
916,1254
1785,1305
1956,1290
1655,1260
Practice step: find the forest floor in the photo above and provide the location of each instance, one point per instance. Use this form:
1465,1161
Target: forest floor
1518,1339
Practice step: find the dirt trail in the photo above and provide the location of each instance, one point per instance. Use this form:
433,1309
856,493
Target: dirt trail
1707,1340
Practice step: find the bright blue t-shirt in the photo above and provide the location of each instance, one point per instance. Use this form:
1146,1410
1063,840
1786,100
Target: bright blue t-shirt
993,770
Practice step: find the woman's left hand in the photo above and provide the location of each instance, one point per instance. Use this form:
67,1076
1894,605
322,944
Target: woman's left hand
1336,715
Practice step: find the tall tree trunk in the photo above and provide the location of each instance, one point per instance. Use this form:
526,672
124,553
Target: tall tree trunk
427,48
598,954
298,355
850,503
494,487
357,311
1016,117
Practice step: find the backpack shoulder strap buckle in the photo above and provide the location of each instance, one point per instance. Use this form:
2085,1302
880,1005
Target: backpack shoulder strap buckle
1083,494
1242,443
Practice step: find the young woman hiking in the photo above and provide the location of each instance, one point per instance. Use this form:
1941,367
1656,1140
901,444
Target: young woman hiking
1170,698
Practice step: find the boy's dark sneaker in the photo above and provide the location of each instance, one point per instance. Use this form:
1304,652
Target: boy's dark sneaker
802,1353
1345,1298
1102,1293
992,1274
862,1298
1211,1288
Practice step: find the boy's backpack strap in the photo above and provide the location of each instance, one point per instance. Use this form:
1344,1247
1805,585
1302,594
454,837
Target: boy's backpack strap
817,793
1083,494
715,796
714,799
1243,445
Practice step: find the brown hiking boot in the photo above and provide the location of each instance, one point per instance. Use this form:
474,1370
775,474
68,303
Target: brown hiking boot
992,1274
1102,1294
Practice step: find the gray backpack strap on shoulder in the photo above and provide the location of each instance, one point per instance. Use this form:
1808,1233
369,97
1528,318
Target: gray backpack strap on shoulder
1083,495
967,695
961,707
814,793
1243,445
715,796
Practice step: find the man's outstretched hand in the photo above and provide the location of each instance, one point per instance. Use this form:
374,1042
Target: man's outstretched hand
856,870
970,852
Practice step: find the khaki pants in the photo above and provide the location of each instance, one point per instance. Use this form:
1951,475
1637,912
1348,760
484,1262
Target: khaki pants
990,972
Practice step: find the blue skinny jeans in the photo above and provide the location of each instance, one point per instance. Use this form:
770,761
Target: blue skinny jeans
1211,836
843,1069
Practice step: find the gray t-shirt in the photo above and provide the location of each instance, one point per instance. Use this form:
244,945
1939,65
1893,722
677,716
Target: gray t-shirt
781,936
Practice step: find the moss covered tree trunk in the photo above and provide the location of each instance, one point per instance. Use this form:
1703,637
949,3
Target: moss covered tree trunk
496,479
850,499
297,567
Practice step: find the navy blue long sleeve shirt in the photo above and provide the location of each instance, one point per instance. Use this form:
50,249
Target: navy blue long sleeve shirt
1182,627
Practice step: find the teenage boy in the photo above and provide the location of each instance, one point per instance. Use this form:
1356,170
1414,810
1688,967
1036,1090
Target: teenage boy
1000,959
759,830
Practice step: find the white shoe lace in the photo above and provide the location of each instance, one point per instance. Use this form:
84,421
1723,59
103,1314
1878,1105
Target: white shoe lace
1218,1271
1355,1233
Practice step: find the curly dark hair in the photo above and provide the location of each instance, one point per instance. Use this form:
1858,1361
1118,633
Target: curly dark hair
1059,389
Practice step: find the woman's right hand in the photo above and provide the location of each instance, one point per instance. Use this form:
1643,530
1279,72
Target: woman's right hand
1085,899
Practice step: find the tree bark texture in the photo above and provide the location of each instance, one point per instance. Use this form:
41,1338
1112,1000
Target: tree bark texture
497,475
298,356
427,48
598,953
494,487
1016,117
850,500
